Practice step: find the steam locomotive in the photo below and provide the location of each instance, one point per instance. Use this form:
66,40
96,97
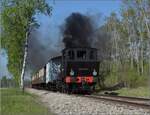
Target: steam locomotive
75,71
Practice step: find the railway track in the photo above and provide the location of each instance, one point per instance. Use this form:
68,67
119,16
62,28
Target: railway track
131,101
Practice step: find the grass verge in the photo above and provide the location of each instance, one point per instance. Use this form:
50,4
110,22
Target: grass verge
143,92
135,92
14,102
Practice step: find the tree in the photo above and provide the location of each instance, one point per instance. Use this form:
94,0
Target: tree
17,17
137,21
3,81
129,35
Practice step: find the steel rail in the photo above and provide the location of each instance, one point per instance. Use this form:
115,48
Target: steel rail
131,101
125,97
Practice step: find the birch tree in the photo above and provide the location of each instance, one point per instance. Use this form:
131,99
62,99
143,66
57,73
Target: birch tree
17,15
135,16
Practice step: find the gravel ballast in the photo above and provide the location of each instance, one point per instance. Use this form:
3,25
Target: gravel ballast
64,104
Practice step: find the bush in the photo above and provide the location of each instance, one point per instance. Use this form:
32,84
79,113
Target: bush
111,80
133,79
130,77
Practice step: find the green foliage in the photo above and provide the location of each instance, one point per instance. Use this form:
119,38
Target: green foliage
17,16
130,77
104,70
7,82
133,79
111,80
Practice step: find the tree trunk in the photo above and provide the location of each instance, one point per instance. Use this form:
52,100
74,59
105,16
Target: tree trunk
24,63
141,53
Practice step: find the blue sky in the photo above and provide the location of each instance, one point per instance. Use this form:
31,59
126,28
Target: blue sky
63,8
50,26
3,64
99,9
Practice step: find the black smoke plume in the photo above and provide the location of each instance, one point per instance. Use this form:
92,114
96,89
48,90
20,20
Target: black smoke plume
77,31
40,50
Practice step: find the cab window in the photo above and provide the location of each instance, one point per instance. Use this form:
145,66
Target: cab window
81,54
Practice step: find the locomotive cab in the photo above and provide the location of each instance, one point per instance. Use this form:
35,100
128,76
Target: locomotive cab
81,68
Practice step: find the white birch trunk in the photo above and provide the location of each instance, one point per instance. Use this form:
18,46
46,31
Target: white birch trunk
24,63
130,45
141,49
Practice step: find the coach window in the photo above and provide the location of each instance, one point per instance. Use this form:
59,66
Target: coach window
81,54
37,75
71,54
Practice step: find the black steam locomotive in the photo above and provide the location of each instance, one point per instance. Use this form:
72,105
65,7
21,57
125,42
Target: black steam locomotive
75,71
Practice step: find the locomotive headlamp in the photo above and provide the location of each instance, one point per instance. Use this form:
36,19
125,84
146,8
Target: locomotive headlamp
94,73
71,72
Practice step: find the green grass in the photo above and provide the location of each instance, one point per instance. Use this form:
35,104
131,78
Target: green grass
14,102
135,92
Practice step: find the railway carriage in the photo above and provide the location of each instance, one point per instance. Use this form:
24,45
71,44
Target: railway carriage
38,79
53,73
